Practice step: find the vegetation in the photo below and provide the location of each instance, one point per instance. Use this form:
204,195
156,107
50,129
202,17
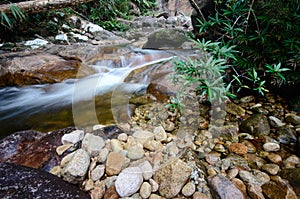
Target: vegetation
253,46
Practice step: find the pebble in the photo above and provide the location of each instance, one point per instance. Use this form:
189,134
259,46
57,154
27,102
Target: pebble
258,177
145,190
274,158
147,169
155,196
114,163
61,149
291,162
73,137
238,148
272,169
129,181
135,152
232,173
199,195
92,144
123,137
98,191
271,147
275,122
116,145
143,136
98,172
103,153
212,158
188,189
154,185
255,191
293,119
160,134
111,193
171,149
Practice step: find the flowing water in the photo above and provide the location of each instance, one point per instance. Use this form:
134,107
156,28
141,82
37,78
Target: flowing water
84,101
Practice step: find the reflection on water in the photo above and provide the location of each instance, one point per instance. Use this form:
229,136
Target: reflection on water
51,106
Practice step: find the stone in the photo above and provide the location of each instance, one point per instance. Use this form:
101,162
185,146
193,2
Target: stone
135,152
275,122
116,145
80,37
92,28
213,158
171,177
114,164
36,43
110,181
199,195
293,119
232,173
98,172
111,193
257,125
223,188
293,176
154,196
73,137
272,169
75,170
143,136
98,191
92,144
147,169
61,149
88,185
291,161
240,185
153,145
145,190
129,181
61,37
171,149
286,135
258,177
274,158
255,191
235,109
123,137
154,185
23,182
238,148
271,189
103,153
160,134
271,147
188,189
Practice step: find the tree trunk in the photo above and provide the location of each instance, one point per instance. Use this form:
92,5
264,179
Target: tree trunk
41,5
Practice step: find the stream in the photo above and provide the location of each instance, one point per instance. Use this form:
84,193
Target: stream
95,99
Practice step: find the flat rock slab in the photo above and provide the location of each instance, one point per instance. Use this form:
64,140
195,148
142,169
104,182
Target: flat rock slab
24,182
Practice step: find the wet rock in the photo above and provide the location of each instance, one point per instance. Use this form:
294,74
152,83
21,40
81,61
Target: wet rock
257,177
240,185
76,169
235,109
271,189
257,125
73,137
223,188
129,181
291,162
271,147
275,158
238,148
171,177
293,119
42,152
272,169
293,176
226,131
275,122
255,191
286,135
23,182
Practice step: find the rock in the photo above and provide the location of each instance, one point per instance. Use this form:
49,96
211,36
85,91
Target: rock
147,169
98,191
80,37
240,185
275,122
22,182
103,153
293,119
271,189
223,188
36,43
73,137
76,169
129,181
155,196
199,195
232,173
238,148
291,161
111,193
272,169
61,149
98,172
116,145
92,144
255,191
227,131
271,147
160,134
90,27
235,109
135,152
145,190
114,164
123,137
61,37
143,136
188,189
171,149
257,177
171,177
257,125
213,158
154,185
274,158
293,176
286,135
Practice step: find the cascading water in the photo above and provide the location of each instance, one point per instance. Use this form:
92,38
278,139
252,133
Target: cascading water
85,101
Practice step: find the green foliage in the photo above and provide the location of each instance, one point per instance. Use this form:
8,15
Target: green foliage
10,21
266,39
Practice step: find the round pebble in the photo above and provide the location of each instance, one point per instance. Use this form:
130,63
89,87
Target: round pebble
271,147
272,169
145,190
188,189
238,148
